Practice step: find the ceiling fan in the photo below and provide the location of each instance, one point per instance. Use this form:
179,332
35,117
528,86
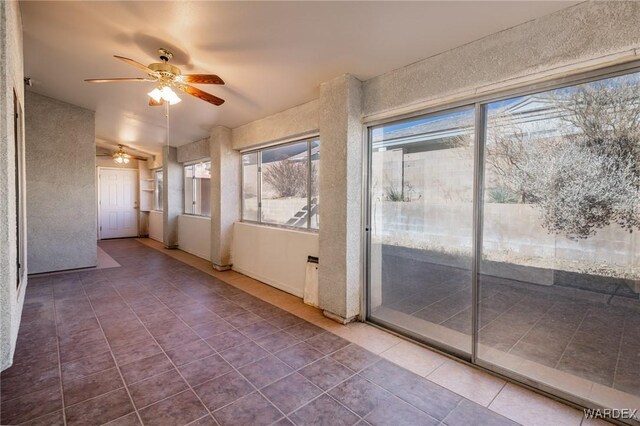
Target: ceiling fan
120,156
167,76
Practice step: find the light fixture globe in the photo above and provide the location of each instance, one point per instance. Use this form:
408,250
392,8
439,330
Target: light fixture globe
120,156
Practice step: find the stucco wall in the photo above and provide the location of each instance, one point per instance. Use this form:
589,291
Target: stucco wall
11,77
193,151
61,182
296,122
577,37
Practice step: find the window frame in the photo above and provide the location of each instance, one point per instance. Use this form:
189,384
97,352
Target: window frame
193,186
258,151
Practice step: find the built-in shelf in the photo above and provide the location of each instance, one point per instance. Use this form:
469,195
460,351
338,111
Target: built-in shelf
147,189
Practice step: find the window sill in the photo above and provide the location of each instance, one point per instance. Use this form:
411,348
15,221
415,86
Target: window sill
282,227
196,216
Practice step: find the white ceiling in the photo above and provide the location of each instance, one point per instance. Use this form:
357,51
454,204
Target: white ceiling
272,55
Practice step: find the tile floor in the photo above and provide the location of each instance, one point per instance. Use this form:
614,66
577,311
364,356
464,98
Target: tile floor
159,341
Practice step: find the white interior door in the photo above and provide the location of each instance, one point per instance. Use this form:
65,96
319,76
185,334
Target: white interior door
118,203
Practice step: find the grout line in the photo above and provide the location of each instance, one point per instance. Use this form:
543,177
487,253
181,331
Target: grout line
495,396
573,335
111,352
55,319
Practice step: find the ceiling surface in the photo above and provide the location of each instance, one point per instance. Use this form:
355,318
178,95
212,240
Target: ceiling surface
272,56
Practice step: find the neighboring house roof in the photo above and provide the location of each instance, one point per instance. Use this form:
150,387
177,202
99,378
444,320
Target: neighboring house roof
535,115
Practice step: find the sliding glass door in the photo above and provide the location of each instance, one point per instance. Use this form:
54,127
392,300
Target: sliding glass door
545,287
560,265
421,199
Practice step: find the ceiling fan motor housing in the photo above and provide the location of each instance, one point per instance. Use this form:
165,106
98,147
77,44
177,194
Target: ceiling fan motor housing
167,72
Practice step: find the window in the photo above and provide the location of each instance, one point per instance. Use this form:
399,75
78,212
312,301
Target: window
197,185
280,185
159,197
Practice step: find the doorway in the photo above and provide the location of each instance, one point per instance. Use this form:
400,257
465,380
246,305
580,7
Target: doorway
117,203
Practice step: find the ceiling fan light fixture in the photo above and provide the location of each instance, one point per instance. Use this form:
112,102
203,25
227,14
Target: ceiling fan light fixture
170,96
155,94
120,156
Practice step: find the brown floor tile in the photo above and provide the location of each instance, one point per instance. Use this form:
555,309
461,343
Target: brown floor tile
81,350
212,328
265,371
177,338
190,352
327,342
205,421
177,410
91,386
29,382
227,340
243,354
130,419
299,355
258,329
135,352
326,373
204,369
252,409
146,367
359,395
243,320
324,411
30,406
223,390
468,412
52,419
396,412
291,392
157,388
102,409
304,331
87,366
355,357
285,320
277,341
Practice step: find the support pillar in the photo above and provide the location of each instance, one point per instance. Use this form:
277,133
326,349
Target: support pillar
225,195
173,195
341,198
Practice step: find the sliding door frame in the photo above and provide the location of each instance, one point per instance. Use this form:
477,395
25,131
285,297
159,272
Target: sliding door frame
480,105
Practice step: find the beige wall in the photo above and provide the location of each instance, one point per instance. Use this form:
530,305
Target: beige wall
11,78
61,182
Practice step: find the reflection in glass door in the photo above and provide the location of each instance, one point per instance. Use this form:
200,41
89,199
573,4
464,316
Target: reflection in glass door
421,219
560,266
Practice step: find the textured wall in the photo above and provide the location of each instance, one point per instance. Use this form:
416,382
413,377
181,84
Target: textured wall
193,151
294,122
341,196
11,77
225,195
61,184
565,39
173,192
274,256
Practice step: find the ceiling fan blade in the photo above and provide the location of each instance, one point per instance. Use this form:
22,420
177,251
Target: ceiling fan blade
194,91
153,102
137,65
115,80
202,79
